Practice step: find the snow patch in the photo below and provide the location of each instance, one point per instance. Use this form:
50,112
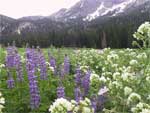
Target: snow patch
96,13
82,4
24,26
102,10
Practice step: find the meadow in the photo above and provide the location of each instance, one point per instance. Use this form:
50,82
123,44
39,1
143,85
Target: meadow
75,80
90,80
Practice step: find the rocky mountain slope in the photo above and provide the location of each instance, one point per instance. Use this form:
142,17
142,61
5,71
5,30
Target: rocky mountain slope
82,15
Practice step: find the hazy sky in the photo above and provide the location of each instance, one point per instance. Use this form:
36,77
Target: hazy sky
20,8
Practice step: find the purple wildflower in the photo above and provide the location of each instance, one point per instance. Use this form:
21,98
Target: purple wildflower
60,92
10,81
34,92
78,94
94,103
18,65
102,98
78,76
86,82
10,57
42,66
53,63
35,58
28,53
61,71
66,65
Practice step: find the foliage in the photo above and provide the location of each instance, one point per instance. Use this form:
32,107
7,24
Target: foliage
125,73
143,35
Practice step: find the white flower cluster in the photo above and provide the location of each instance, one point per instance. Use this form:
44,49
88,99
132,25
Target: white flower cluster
143,34
127,90
141,108
84,68
2,102
94,78
142,56
112,56
133,97
116,75
133,62
145,27
84,106
62,105
127,74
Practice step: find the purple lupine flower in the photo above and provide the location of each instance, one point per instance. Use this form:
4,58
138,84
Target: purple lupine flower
66,65
86,82
34,92
78,76
94,103
102,97
100,102
60,92
42,66
19,72
10,81
61,71
18,65
35,58
10,57
78,94
94,106
53,63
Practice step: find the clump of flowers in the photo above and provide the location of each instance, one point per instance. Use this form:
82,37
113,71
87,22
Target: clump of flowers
42,65
133,62
60,92
60,105
18,65
84,106
66,65
133,97
10,57
143,35
86,83
127,90
34,91
10,81
141,108
2,102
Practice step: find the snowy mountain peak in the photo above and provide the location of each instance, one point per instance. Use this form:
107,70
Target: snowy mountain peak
105,9
91,9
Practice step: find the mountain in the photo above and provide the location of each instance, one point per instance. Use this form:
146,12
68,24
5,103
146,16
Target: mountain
83,24
5,23
91,9
32,18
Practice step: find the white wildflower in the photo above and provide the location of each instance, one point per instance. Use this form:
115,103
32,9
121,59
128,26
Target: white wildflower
61,105
133,97
116,75
133,62
127,90
102,79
